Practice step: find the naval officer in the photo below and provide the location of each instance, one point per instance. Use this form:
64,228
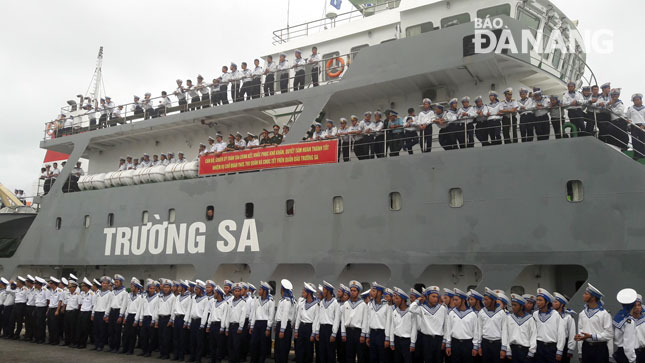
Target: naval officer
87,299
314,62
283,67
54,298
594,328
299,67
72,303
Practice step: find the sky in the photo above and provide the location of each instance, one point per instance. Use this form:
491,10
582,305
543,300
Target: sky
48,53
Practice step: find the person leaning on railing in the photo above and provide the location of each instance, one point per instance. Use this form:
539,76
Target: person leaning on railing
635,116
602,114
527,115
572,101
618,132
344,139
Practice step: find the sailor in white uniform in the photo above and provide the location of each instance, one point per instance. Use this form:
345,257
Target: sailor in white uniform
284,318
492,320
133,303
635,116
180,158
625,335
463,332
260,323
594,328
257,73
165,309
314,62
219,146
376,328
299,67
550,329
519,340
55,302
18,312
494,121
306,319
509,119
330,131
424,123
180,319
240,144
146,162
180,93
29,309
529,303
87,299
70,325
203,90
225,79
217,324
147,318
327,324
237,316
101,312
637,314
559,305
527,117
431,317
235,77
193,94
353,316
403,328
253,141
283,68
246,91
198,319
269,79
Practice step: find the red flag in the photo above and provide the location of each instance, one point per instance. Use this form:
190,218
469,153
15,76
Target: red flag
51,156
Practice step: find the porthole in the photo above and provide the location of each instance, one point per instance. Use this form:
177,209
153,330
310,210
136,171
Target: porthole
110,220
144,217
248,210
575,191
58,222
395,201
87,221
456,197
337,205
290,207
210,213
171,215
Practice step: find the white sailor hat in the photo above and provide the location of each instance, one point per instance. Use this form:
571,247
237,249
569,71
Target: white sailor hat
85,281
283,55
606,85
245,285
210,282
537,93
561,298
615,91
518,299
102,100
211,138
586,88
431,290
200,285
64,281
571,83
637,95
343,120
330,121
367,113
96,282
476,295
439,106
54,280
73,277
461,294
147,94
453,100
183,283
144,154
228,283
264,285
180,153
627,296
157,283
594,291
286,284
31,278
251,134
179,80
426,100
117,276
388,291
344,289
365,294
22,279
129,157
501,296
218,289
354,284
163,154
545,295
464,99
400,293
639,298
199,76
490,293
414,292
122,159
316,123
353,117
448,292
509,90
524,90
328,286
529,298
309,287
298,51
233,64
492,93
479,98
252,287
377,286
4,281
40,280
135,281
73,283
171,153
202,144
106,279
237,286
191,283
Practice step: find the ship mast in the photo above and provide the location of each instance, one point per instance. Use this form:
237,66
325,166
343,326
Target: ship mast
95,83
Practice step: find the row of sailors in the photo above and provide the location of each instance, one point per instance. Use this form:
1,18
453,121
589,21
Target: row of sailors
217,145
52,171
244,83
165,159
379,324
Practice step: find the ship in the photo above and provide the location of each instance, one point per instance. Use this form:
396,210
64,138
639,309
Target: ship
554,214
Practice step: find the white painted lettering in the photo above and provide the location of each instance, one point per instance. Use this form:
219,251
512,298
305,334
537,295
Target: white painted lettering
228,244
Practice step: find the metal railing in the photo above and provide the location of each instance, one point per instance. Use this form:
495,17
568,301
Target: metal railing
284,35
78,121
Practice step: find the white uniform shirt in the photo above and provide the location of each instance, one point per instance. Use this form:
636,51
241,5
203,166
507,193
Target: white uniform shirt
307,313
425,118
103,302
148,307
219,312
183,304
72,300
40,297
299,63
21,295
199,309
636,115
218,147
225,78
86,301
403,324
257,72
133,304
10,296
520,331
31,297
262,310
166,304
568,98
119,301
54,297
237,313
247,75
625,337
492,323
432,320
284,66
329,133
493,110
550,328
617,110
353,315
192,91
640,332
596,322
284,314
468,113
314,60
526,105
378,315
254,142
546,103
463,325
241,144
272,67
328,314
179,92
202,88
570,331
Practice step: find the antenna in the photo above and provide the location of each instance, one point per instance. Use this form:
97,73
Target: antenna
95,83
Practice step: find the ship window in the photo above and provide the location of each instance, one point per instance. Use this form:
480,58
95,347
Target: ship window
58,222
337,205
456,197
419,29
354,51
290,206
110,221
248,210
171,215
557,55
395,201
455,20
87,221
519,290
530,20
325,58
210,212
144,217
575,192
494,11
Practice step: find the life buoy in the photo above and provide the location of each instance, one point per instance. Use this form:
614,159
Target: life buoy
573,129
330,63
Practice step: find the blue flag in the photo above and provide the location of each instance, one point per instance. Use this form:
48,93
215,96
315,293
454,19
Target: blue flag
335,3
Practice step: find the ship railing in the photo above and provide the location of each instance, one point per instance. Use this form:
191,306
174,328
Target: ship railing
284,35
73,120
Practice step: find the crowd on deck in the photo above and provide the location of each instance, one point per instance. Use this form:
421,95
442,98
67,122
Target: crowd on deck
200,319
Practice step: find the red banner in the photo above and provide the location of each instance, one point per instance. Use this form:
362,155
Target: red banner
270,157
54,156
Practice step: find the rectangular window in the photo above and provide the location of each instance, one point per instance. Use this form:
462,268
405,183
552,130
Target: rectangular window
210,213
419,29
456,197
58,222
557,56
110,220
575,191
337,205
87,222
171,215
144,217
248,210
494,11
395,201
455,20
290,206
529,20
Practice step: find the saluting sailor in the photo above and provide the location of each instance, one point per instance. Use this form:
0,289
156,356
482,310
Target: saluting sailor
594,328
519,341
550,329
306,317
261,321
625,335
431,323
463,332
284,318
133,303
